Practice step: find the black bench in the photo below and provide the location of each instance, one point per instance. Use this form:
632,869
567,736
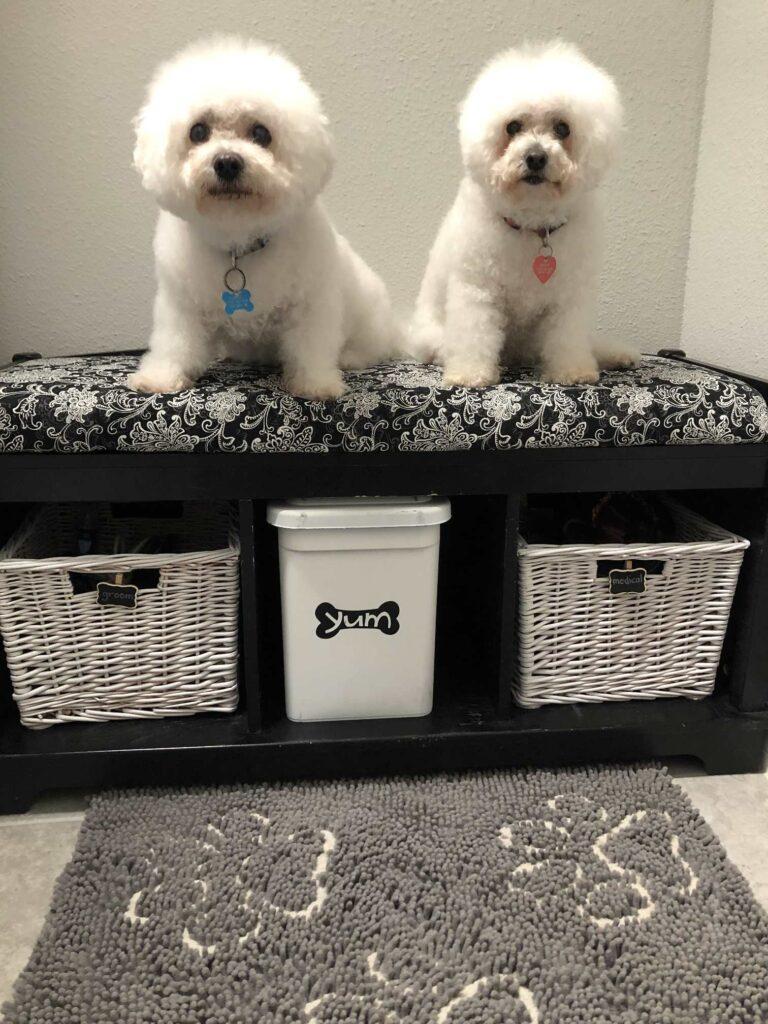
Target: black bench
71,430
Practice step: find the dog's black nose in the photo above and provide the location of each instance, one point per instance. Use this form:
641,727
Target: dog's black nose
228,166
536,161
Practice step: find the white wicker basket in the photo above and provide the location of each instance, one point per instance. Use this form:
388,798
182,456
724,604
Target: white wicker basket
578,642
74,660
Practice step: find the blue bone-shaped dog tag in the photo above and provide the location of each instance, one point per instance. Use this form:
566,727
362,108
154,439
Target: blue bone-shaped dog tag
237,300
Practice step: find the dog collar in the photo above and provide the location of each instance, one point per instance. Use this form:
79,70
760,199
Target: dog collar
235,298
544,265
259,243
541,232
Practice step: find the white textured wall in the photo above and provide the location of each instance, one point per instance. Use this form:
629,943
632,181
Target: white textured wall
726,295
75,229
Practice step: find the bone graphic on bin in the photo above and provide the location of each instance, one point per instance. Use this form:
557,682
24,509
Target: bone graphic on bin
332,620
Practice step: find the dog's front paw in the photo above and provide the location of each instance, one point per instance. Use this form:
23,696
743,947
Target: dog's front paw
159,382
316,388
618,359
584,371
470,376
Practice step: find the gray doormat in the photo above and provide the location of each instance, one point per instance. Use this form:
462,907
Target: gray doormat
594,896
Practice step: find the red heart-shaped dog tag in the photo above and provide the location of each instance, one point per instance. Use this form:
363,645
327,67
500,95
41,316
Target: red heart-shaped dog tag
544,267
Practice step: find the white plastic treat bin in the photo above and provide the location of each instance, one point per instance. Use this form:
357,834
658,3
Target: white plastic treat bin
359,593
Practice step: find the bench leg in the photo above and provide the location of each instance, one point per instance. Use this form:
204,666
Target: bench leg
746,752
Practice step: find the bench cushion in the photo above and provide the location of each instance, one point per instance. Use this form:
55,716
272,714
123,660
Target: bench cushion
82,404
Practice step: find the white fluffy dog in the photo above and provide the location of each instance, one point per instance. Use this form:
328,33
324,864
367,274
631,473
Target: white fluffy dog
513,274
234,145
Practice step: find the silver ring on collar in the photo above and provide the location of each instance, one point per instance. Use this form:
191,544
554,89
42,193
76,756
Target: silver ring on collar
240,278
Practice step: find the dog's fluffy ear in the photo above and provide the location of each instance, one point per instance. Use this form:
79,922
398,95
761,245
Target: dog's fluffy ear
321,154
605,114
150,150
155,124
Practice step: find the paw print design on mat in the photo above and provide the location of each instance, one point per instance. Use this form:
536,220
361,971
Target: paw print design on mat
478,989
633,879
237,300
152,886
553,854
261,905
301,882
548,846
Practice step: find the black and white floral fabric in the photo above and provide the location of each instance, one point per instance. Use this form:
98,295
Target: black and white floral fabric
82,404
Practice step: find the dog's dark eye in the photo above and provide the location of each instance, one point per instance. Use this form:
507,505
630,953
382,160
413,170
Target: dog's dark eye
562,129
261,135
513,128
199,132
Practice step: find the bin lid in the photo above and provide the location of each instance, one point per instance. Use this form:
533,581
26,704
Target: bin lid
358,513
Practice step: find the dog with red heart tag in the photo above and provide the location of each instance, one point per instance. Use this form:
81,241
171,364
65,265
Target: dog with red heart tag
512,277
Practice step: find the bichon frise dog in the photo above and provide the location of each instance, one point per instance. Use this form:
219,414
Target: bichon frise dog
513,274
233,144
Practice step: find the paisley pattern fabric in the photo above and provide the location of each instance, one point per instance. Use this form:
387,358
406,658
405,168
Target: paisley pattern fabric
82,404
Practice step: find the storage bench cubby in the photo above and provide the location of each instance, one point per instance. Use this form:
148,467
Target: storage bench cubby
695,433
110,613
606,614
471,665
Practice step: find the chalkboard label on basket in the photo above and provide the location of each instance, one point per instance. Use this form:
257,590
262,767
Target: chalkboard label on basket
627,581
331,620
117,595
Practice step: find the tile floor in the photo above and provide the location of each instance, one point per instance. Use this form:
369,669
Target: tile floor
35,847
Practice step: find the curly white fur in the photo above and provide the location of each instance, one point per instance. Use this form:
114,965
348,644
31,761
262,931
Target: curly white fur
317,305
480,304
